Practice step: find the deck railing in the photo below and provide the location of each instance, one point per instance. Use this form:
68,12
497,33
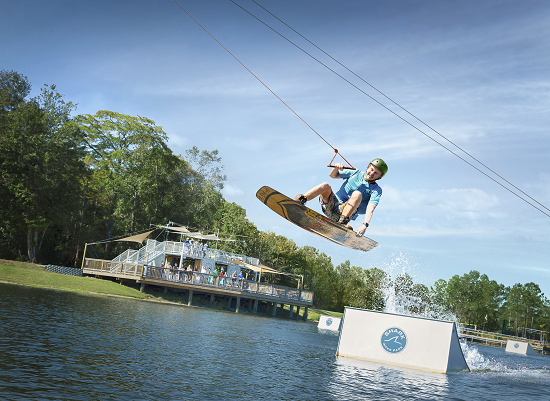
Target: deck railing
490,338
154,248
116,268
227,283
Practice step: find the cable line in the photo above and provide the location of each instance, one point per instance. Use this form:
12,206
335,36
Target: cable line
395,103
372,98
259,80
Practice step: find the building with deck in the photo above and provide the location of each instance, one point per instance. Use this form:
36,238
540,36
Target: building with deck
195,274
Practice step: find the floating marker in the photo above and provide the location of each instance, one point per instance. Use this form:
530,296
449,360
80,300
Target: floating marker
400,340
520,347
329,323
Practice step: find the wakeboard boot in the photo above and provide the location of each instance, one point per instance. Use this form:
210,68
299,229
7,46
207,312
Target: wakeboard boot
301,199
343,221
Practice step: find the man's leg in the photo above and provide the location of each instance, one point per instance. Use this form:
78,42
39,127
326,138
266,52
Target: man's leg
350,207
323,189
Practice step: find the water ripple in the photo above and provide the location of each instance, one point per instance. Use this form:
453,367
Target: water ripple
63,346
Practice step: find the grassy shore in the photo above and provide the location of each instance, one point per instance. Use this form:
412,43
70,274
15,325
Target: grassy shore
315,314
37,276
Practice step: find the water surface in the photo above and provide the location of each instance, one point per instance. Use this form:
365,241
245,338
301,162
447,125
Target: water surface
62,346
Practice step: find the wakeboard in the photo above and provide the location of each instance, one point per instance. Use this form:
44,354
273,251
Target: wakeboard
312,221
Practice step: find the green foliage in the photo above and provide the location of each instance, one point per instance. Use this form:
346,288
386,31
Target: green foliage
478,301
41,159
14,88
523,304
67,181
132,165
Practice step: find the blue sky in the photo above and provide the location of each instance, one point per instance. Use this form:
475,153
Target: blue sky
478,72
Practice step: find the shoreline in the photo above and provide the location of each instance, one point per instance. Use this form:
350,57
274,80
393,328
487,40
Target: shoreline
30,275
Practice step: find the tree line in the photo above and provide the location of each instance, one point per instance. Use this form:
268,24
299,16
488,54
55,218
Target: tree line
69,180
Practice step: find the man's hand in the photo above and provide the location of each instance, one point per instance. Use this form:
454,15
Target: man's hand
334,173
361,230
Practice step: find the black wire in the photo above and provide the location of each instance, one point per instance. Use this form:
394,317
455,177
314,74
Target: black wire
251,73
397,104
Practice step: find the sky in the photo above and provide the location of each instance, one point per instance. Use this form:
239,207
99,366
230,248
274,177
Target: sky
476,72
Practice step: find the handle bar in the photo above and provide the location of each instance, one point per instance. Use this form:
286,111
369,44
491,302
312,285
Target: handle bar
344,167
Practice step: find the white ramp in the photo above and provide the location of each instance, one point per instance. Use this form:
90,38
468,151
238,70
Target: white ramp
399,340
520,347
329,323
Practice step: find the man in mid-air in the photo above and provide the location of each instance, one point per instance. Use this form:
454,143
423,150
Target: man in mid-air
359,194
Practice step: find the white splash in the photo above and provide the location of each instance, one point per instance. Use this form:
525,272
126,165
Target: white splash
407,301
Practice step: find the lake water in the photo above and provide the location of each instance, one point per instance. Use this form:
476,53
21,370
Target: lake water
62,346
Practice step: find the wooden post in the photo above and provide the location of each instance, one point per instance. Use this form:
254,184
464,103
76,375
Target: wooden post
259,280
211,299
238,304
142,288
83,256
297,311
291,311
255,306
274,312
305,313
190,298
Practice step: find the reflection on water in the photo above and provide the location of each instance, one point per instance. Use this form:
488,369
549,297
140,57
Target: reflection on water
63,346
374,381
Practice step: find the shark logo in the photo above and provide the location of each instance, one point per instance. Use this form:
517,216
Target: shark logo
329,321
516,345
393,340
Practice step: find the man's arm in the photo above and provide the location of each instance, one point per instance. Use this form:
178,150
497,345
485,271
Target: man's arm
334,173
368,215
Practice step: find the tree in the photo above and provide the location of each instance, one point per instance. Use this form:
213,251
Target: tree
439,294
230,220
14,88
523,302
370,294
132,163
205,182
514,303
41,163
533,301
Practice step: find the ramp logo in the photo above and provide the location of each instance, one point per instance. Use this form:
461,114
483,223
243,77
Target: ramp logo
393,340
329,321
516,345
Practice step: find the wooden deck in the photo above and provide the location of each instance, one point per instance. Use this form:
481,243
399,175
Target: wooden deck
193,281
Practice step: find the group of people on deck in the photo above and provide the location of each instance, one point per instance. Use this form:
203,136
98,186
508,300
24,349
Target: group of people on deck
200,249
181,274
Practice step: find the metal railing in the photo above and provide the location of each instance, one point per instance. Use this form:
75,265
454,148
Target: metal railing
501,339
117,268
130,255
227,283
155,248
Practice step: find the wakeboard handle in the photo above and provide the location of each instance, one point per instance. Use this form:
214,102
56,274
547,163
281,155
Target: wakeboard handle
344,167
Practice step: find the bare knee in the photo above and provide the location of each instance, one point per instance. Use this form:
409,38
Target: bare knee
323,190
355,197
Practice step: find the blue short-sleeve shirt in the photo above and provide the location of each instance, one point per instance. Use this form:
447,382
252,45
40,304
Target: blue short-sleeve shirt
354,180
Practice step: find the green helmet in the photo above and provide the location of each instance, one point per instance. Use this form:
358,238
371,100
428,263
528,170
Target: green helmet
381,165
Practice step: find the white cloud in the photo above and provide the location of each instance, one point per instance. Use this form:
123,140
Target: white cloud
232,190
456,202
429,229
